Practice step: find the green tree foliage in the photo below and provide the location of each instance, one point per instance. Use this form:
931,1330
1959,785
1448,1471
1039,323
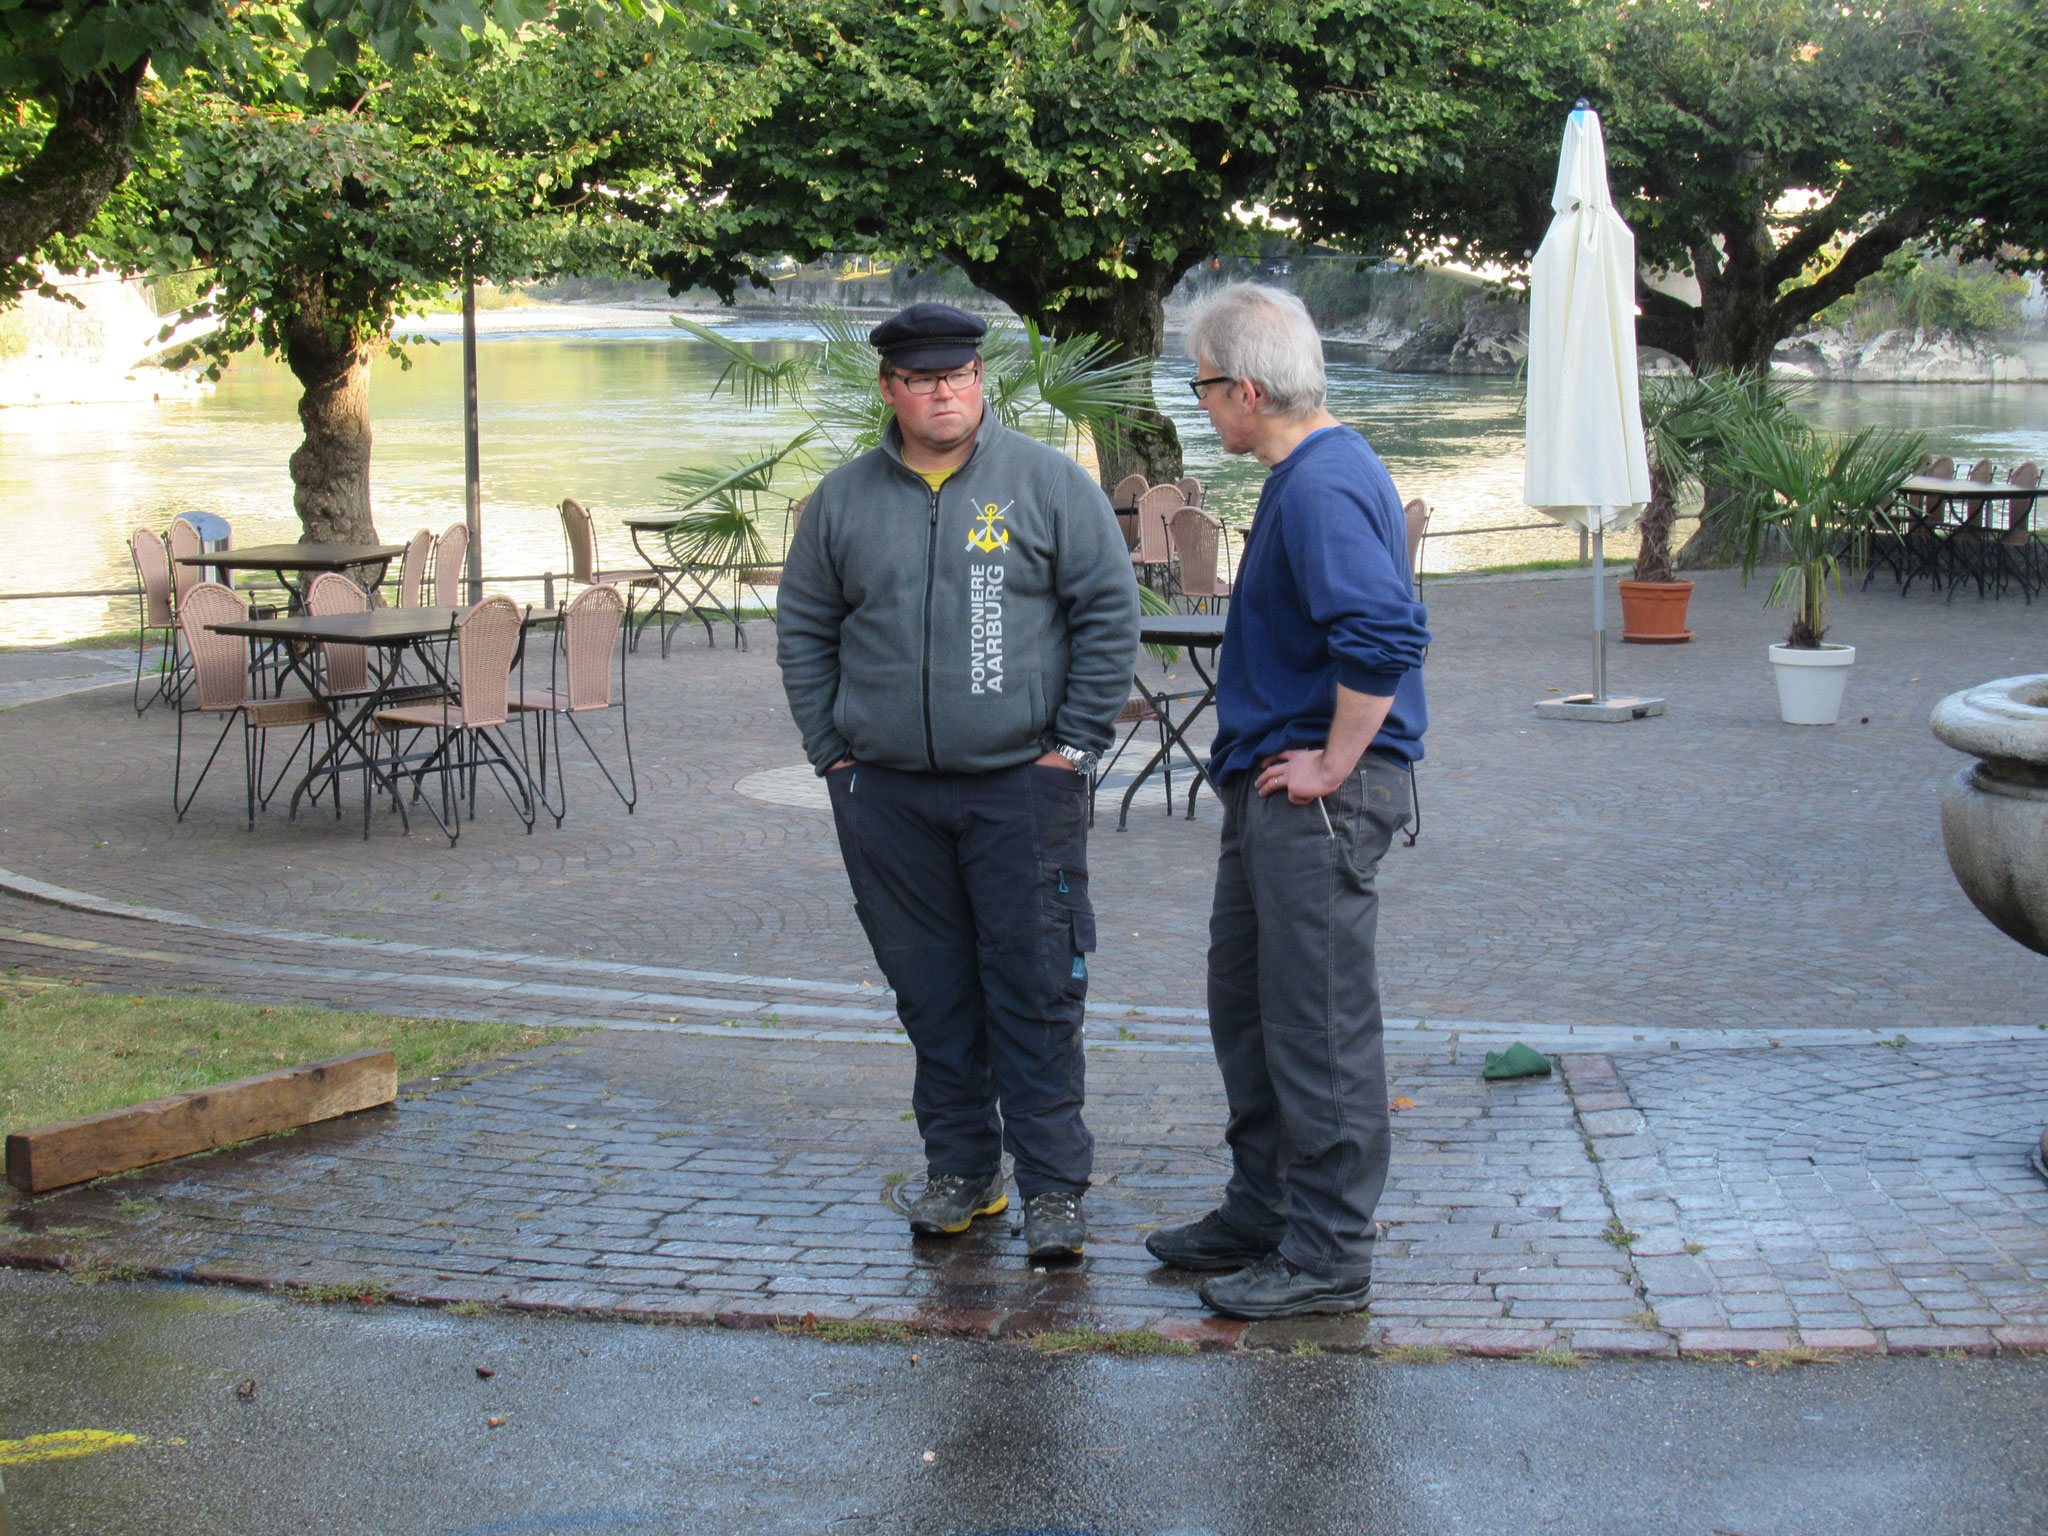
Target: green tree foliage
1919,292
72,73
1076,161
317,224
1774,151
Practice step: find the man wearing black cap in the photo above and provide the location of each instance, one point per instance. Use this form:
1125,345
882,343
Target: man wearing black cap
958,626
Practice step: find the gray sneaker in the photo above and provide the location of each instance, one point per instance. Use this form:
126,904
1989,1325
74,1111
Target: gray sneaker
951,1201
1274,1287
1053,1225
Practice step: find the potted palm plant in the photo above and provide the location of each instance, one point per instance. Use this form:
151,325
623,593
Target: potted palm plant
1812,500
1687,420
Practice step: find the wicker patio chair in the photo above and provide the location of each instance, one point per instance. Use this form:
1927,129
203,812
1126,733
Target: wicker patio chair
184,542
450,551
1969,548
469,726
412,570
1196,538
1920,541
579,532
755,578
1155,544
1190,490
1125,497
347,667
581,682
2015,552
154,615
220,686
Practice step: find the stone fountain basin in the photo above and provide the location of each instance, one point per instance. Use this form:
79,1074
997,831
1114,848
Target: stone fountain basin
1994,813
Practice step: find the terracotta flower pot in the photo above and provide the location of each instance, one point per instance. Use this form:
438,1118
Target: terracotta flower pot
1653,612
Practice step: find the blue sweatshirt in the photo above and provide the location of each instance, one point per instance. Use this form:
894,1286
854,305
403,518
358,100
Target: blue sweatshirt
1322,597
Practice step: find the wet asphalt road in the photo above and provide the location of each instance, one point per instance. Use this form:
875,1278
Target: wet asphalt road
375,1420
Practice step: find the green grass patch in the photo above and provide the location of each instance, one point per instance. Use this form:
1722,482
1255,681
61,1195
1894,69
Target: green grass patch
1416,1354
1122,1341
1552,1354
66,1051
1796,1354
832,1330
1518,568
106,641
369,1293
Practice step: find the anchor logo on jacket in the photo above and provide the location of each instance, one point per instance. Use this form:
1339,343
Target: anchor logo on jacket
986,536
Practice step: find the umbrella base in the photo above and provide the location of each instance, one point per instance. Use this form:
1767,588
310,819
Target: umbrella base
1583,706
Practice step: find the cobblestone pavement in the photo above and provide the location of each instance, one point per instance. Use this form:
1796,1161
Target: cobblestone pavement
1712,869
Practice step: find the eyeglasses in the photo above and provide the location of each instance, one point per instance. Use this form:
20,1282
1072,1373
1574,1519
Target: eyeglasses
1199,387
958,381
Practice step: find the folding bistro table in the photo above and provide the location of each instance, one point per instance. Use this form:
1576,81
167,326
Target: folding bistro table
690,604
394,630
1192,632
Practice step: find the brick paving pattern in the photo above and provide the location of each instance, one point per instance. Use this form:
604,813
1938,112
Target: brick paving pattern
752,1183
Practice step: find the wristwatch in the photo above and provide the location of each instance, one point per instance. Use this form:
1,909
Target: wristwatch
1080,758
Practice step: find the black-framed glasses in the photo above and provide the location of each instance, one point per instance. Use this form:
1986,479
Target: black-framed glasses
1197,387
958,381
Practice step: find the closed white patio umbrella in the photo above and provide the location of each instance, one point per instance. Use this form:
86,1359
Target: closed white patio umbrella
1586,465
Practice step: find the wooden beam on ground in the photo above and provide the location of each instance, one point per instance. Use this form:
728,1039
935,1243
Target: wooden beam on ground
116,1140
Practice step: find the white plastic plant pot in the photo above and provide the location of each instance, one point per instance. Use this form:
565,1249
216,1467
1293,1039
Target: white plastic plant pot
1810,683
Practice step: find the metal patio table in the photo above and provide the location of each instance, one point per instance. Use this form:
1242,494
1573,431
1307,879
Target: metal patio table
302,560
1973,525
1192,632
394,630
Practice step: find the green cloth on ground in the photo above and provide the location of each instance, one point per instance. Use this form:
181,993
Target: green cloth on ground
1518,1060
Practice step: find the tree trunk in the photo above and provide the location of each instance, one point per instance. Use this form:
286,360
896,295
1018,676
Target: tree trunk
1130,315
85,155
331,469
1737,327
1653,552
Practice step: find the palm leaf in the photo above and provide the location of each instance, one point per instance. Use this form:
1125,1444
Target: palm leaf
719,520
753,382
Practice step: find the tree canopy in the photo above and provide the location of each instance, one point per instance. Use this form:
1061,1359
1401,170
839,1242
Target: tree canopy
1077,170
72,74
316,223
1772,152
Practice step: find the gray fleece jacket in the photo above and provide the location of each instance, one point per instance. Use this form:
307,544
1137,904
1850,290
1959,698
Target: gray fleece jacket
962,630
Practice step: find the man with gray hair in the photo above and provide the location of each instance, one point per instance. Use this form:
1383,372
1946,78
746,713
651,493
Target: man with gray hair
1319,714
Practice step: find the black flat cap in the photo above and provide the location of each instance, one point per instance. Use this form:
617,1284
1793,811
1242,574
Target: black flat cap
928,336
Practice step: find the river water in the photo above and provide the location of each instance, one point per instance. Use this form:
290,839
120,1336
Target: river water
602,414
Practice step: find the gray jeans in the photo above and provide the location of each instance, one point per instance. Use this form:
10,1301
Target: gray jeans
1294,1011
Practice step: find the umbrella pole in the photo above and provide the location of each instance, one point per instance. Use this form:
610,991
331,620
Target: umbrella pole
1599,616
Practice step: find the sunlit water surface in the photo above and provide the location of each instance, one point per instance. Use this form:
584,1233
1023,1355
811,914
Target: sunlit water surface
602,415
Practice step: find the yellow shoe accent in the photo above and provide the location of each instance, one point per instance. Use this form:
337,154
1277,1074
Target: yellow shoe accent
1000,1204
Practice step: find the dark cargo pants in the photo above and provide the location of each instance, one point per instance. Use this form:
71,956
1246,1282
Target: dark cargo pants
973,889
1294,1011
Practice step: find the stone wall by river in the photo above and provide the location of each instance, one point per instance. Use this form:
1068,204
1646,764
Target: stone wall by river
1488,339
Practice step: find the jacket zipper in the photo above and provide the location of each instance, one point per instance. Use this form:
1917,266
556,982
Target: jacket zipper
931,577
